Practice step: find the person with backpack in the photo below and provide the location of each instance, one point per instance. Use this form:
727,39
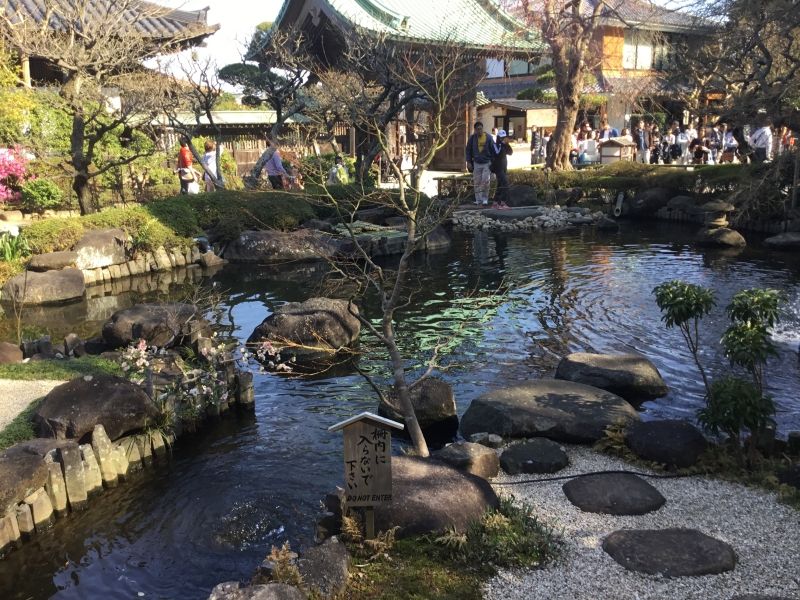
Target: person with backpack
502,150
479,156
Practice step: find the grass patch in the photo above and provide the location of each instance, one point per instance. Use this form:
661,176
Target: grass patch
55,369
21,428
453,565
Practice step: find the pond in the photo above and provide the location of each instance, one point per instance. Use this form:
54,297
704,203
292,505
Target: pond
253,480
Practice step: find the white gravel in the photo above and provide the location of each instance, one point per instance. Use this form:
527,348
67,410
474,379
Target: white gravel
15,396
764,533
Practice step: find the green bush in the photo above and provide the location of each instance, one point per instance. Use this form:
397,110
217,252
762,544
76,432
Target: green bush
13,248
733,405
51,235
39,195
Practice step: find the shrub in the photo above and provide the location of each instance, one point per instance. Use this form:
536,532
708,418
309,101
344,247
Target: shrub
733,405
39,195
13,169
13,247
52,235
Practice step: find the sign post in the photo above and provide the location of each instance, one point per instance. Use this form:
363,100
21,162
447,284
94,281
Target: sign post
367,463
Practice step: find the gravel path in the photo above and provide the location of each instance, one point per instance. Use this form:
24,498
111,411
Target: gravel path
15,396
764,533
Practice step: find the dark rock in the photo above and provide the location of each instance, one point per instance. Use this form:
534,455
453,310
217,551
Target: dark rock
534,456
720,237
101,248
162,325
607,224
22,472
44,346
74,346
472,458
96,346
793,443
674,443
438,239
10,353
613,494
490,440
670,552
53,261
322,325
790,476
522,195
266,247
628,375
434,404
324,568
319,225
50,287
428,496
72,409
396,223
514,214
560,410
647,202
387,242
682,203
784,241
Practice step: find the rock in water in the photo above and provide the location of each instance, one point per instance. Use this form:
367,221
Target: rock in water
560,410
784,241
101,248
628,375
308,330
266,247
162,325
534,456
72,409
670,552
673,442
428,496
50,287
613,494
720,237
434,405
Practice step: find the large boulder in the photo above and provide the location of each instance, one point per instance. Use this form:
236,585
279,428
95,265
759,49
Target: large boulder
10,353
428,496
51,287
784,241
631,376
674,443
21,473
533,456
53,261
434,405
265,247
560,410
472,458
307,330
720,237
670,552
162,325
647,202
613,494
522,195
325,568
71,410
438,239
101,248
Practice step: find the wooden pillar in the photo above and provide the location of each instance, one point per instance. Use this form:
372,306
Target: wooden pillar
352,142
26,71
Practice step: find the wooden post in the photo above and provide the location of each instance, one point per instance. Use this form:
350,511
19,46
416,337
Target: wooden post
26,72
367,464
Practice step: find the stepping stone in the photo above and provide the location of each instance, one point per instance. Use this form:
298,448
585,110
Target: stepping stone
673,442
534,456
670,552
630,376
473,458
613,494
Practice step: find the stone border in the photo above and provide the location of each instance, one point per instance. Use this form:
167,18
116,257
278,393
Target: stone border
152,262
77,472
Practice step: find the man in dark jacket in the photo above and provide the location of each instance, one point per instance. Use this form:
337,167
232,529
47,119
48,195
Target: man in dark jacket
479,159
536,145
502,150
641,137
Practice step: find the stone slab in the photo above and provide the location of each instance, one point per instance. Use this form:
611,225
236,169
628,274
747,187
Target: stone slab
613,494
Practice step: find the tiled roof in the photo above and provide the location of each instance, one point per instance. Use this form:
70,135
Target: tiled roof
473,23
150,19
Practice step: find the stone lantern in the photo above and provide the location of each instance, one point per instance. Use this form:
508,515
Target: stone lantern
716,213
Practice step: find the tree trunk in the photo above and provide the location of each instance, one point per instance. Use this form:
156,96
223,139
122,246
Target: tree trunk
558,159
80,185
78,159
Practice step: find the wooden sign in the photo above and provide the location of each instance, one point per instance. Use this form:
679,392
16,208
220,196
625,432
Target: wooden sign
367,459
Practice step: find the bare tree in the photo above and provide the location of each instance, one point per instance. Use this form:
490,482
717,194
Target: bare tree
97,47
424,88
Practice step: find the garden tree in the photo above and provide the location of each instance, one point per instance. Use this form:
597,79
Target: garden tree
278,77
385,78
97,47
16,103
190,105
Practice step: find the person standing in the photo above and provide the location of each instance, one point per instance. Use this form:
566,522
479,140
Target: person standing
607,132
501,150
641,138
210,165
761,141
536,145
479,155
270,161
185,161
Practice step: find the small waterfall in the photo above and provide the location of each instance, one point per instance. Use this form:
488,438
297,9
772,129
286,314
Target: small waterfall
787,329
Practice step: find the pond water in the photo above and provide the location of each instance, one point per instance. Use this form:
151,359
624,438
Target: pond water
255,479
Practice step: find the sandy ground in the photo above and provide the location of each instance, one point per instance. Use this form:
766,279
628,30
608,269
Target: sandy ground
15,396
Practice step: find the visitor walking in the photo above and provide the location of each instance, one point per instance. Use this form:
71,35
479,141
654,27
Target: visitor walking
536,145
186,174
210,165
479,155
501,150
761,141
271,162
338,173
641,138
729,145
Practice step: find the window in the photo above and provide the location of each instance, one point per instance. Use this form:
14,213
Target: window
637,52
495,68
664,55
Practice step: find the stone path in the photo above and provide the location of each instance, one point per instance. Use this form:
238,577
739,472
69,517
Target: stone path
15,396
741,525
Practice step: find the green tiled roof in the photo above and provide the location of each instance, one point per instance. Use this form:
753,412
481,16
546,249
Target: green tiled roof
474,23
